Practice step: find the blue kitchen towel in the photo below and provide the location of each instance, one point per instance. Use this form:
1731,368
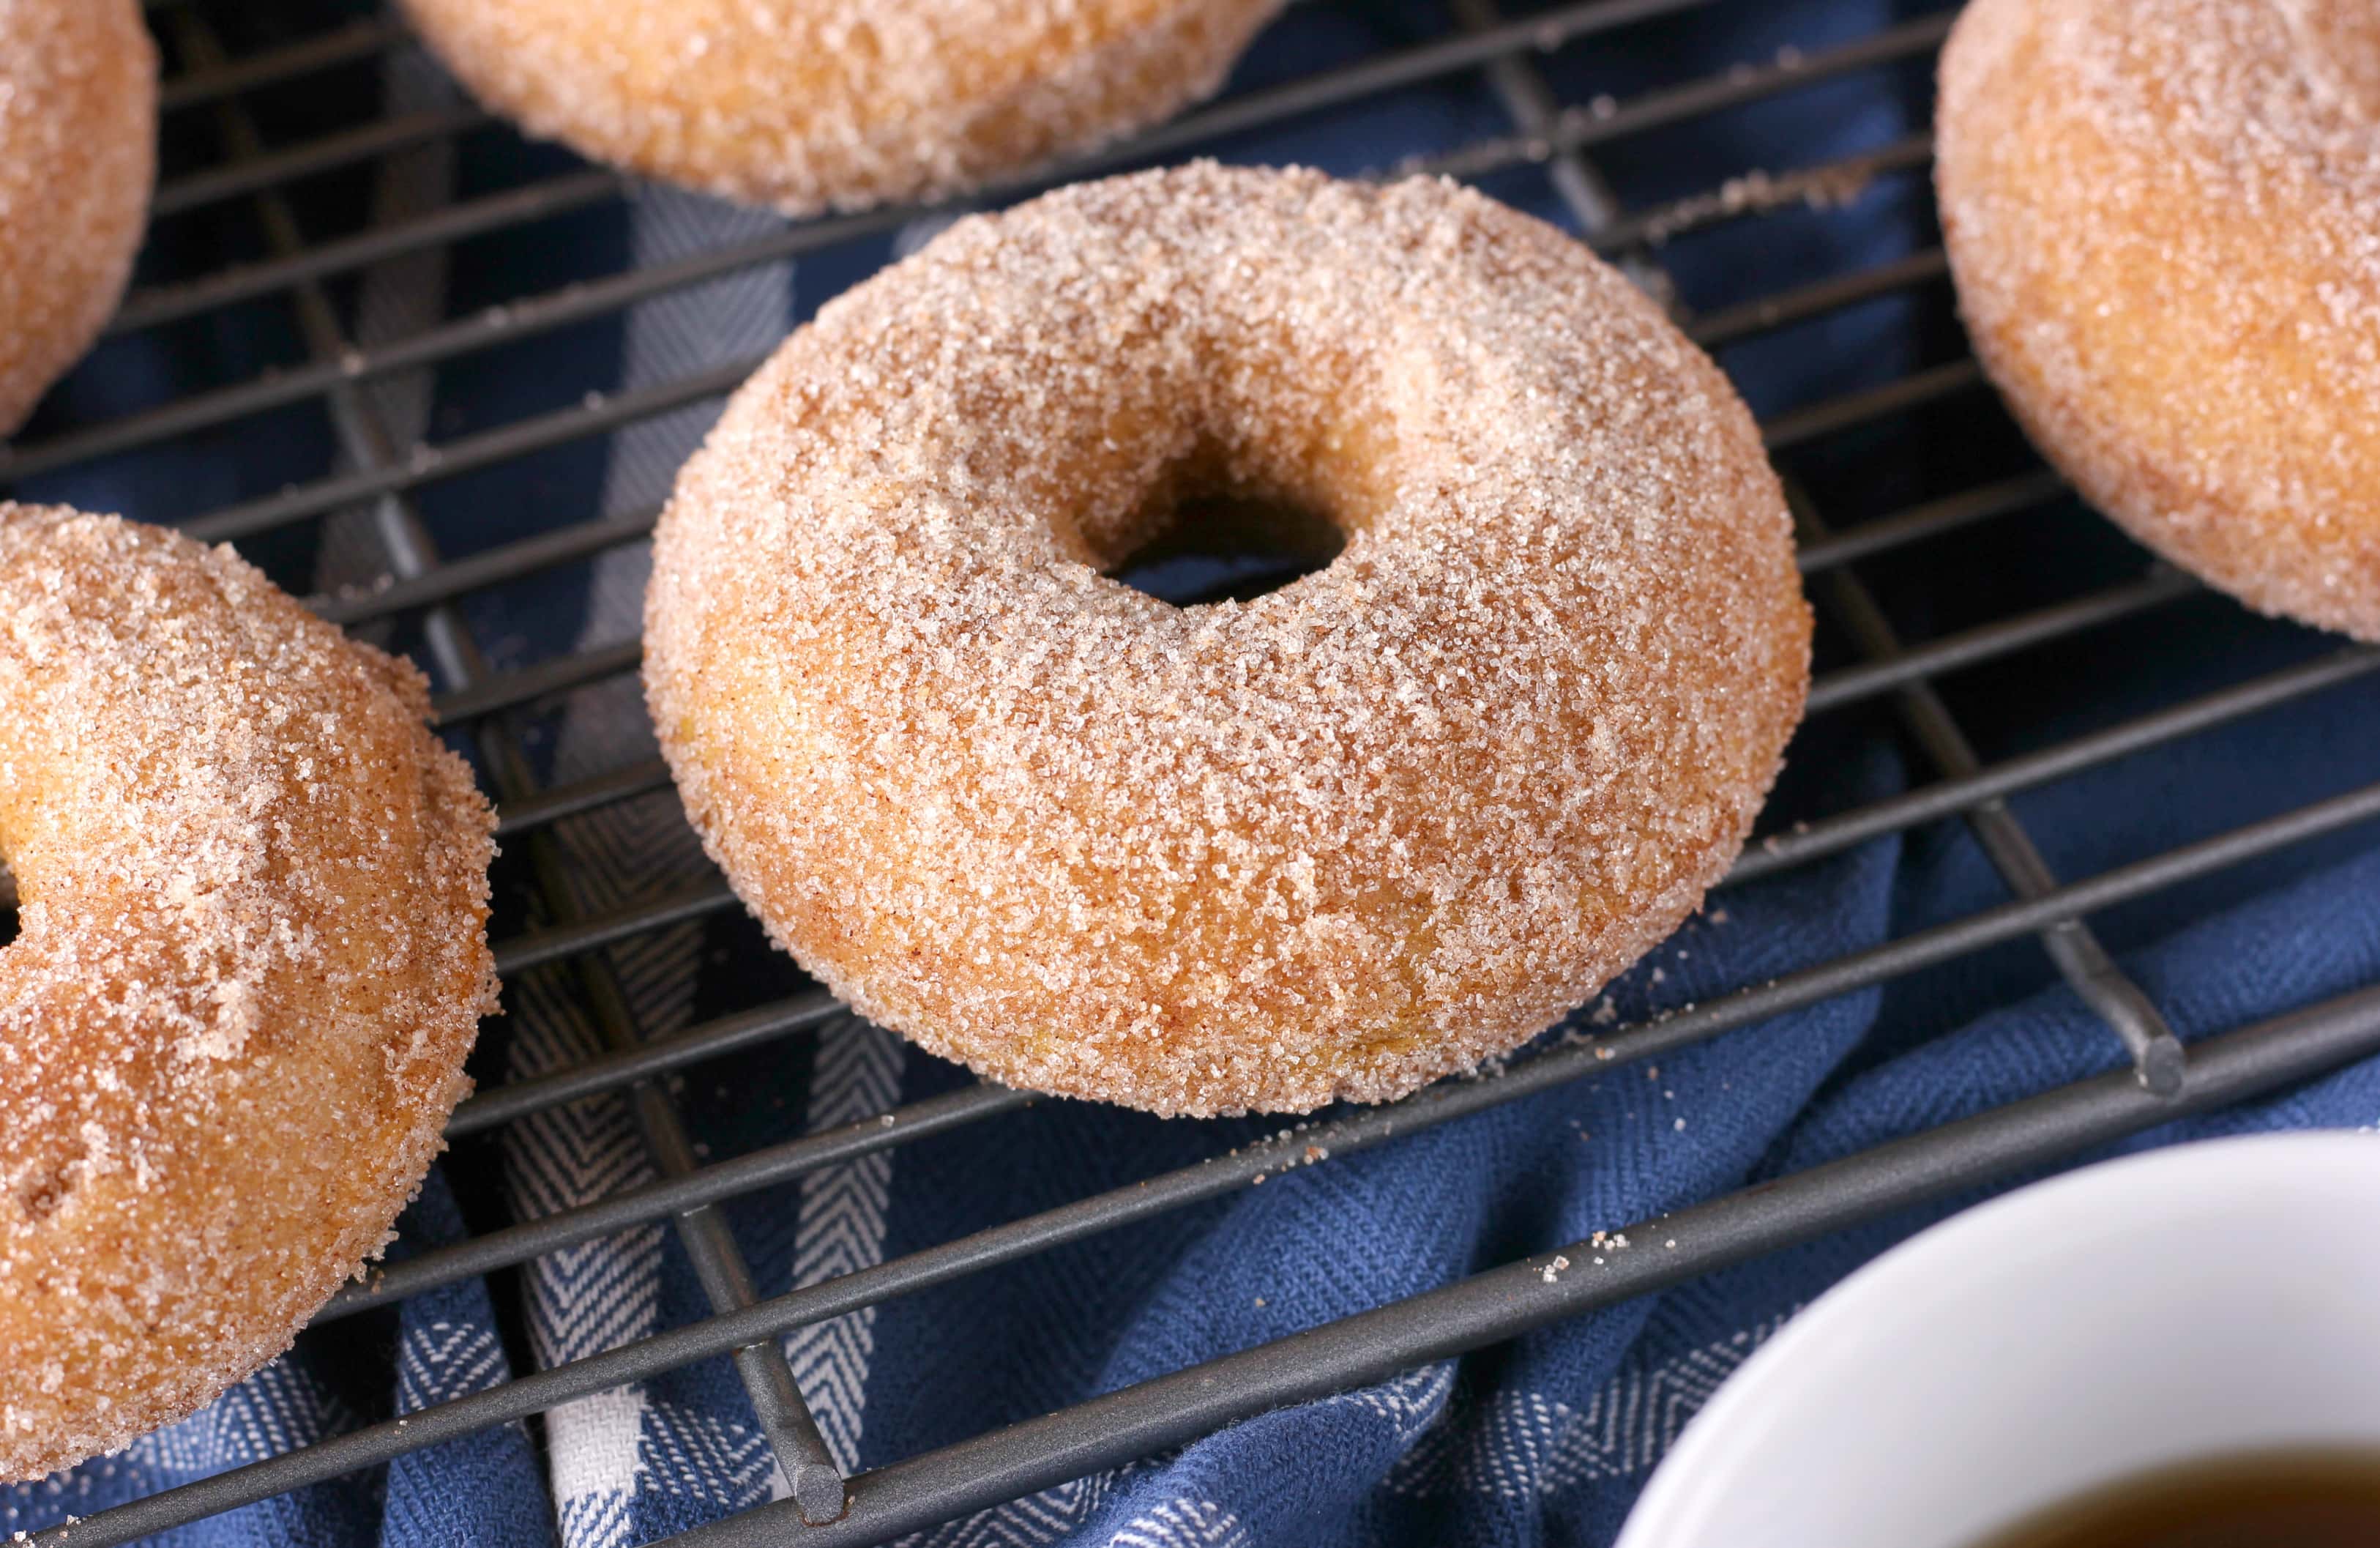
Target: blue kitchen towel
1546,1439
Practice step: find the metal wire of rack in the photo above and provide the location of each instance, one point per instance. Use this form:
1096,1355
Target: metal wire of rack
295,274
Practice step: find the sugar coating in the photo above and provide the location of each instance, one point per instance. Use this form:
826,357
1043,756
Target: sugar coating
77,155
815,105
2163,220
253,894
1368,829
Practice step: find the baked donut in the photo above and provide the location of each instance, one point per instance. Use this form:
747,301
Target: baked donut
2163,220
77,156
252,891
816,104
1372,827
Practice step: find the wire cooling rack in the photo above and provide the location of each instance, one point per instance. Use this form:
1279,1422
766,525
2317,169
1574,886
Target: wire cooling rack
262,244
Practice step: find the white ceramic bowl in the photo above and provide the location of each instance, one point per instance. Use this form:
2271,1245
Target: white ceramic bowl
2185,1302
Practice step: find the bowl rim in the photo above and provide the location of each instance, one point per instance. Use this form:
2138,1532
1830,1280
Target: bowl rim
2170,1183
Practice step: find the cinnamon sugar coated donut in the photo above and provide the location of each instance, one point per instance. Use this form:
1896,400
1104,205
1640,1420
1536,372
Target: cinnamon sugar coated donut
2163,220
1370,828
77,155
252,892
812,105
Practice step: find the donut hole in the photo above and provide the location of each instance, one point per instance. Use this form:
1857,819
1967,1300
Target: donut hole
7,903
1220,547
1236,517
